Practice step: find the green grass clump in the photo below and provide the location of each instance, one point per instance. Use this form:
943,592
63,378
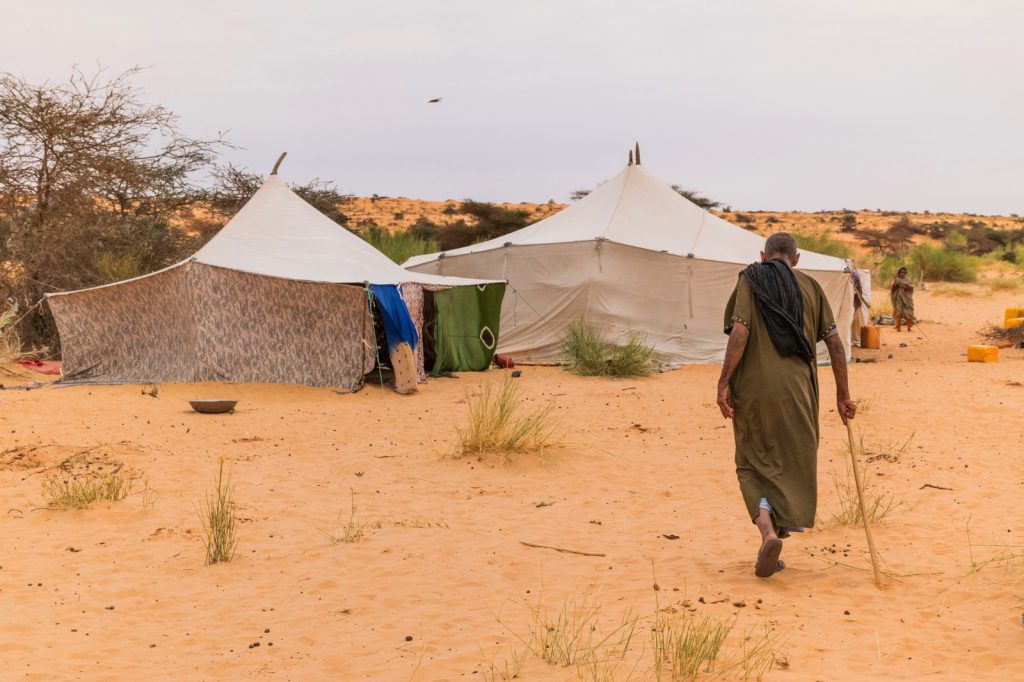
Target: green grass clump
822,243
398,246
78,492
589,355
219,522
498,422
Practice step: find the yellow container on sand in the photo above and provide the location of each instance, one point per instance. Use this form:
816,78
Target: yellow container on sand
1012,313
982,354
1014,322
869,337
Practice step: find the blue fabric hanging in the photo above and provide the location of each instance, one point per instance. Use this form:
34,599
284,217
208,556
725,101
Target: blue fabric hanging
398,325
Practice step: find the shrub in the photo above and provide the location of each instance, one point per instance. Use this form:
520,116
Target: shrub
113,267
944,266
1012,253
219,522
743,218
424,229
822,243
398,246
931,263
849,222
498,423
589,355
955,241
10,341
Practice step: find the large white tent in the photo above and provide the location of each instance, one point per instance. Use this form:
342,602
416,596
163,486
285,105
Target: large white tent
279,295
633,254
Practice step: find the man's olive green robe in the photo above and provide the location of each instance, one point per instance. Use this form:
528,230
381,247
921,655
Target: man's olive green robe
776,409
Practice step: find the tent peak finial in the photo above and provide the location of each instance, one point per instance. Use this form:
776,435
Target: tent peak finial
278,164
630,158
637,155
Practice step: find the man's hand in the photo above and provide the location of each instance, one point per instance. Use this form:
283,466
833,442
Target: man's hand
725,401
846,407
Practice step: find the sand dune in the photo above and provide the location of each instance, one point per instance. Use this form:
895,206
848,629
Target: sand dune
119,591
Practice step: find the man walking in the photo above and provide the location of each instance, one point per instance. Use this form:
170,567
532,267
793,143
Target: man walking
769,388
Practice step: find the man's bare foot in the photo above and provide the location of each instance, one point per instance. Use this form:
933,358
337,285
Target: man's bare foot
768,558
771,546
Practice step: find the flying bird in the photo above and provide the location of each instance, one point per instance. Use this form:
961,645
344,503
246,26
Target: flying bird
436,100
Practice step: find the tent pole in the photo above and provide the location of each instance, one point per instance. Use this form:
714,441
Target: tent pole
278,164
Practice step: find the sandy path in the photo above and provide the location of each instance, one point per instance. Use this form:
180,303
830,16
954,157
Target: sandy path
649,458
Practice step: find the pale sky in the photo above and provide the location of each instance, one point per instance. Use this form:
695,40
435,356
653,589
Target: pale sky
780,104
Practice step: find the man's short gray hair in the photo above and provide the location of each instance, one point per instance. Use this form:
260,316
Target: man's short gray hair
780,244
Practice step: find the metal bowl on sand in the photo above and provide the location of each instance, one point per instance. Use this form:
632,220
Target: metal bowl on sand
213,406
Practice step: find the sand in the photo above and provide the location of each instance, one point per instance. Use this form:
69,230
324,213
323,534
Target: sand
119,591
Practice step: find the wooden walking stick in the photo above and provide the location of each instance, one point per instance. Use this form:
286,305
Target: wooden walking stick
863,507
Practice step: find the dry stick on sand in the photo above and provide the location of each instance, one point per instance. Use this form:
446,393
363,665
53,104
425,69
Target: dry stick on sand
560,549
863,510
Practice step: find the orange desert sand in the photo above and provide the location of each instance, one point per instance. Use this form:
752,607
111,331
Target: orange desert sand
119,591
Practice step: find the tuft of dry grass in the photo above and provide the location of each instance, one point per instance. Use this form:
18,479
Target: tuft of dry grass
1003,284
686,646
589,355
148,494
352,529
220,524
954,290
879,504
573,635
498,422
78,492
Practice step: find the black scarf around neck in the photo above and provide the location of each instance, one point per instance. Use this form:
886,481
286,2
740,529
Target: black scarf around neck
781,305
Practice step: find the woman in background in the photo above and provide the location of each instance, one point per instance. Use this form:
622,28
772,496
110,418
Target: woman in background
902,295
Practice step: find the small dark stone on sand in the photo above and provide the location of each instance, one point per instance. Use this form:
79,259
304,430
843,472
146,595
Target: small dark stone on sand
266,630
408,638
110,608
152,646
270,644
846,613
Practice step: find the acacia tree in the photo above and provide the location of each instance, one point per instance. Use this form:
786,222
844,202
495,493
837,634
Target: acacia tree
233,186
87,168
697,198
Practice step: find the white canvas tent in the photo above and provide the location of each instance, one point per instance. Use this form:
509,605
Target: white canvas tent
633,254
276,296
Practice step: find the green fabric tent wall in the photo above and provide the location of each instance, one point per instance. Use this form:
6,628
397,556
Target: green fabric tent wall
467,327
